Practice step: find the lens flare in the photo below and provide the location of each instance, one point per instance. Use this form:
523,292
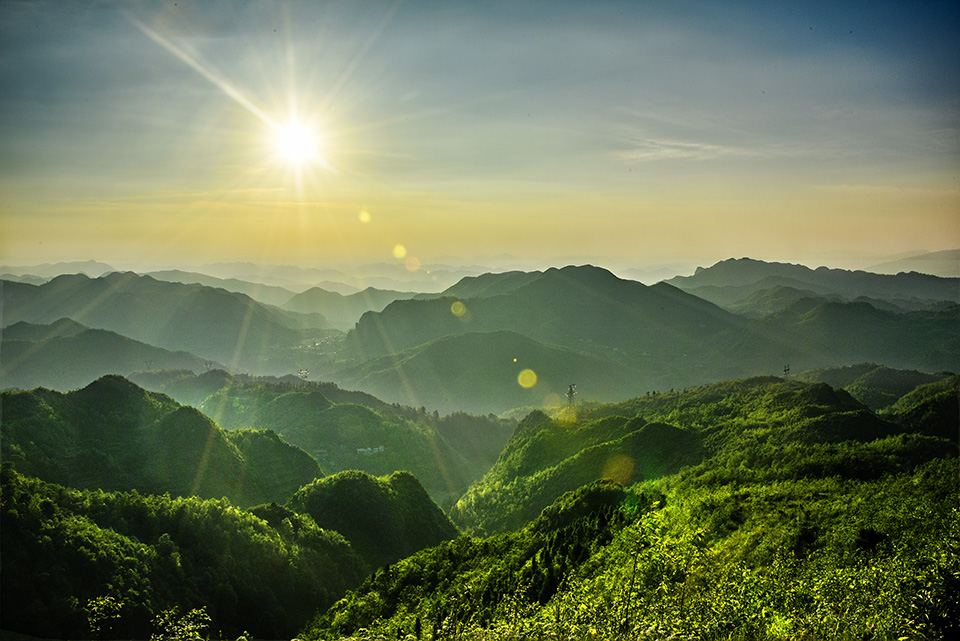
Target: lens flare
458,309
527,378
399,252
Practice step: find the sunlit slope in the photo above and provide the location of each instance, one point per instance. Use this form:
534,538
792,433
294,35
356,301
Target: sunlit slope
752,420
385,519
807,516
66,355
212,323
662,335
484,372
62,548
114,435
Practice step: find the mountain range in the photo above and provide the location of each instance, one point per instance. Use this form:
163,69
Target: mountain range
114,435
212,323
66,355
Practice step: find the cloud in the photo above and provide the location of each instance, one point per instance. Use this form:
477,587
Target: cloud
645,149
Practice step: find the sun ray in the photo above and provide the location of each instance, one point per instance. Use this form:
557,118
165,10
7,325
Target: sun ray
222,84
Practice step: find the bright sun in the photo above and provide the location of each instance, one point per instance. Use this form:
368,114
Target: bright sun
297,143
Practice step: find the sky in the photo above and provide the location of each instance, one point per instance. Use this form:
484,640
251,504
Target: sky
639,133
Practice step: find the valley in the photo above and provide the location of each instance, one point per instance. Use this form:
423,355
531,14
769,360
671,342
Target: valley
752,466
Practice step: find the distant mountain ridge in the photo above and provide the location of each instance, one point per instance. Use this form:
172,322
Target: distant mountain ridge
944,263
730,280
66,355
343,311
212,323
661,335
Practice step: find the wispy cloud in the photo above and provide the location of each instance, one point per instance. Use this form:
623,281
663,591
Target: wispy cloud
663,149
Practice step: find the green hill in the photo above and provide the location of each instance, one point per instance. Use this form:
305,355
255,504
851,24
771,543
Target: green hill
652,436
66,355
113,435
480,373
385,519
662,336
807,516
873,385
64,549
445,452
848,333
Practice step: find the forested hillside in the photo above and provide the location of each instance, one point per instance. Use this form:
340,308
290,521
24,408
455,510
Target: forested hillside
64,549
807,517
113,435
348,430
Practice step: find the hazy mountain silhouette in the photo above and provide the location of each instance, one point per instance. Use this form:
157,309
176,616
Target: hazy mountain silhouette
269,294
662,335
342,312
90,268
212,323
478,372
944,263
732,280
66,355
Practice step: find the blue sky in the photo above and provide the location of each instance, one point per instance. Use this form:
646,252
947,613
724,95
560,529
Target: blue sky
632,132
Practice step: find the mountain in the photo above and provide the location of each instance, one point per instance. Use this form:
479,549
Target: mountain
88,563
342,311
347,430
731,280
114,435
655,435
269,294
212,323
483,372
341,428
803,502
664,336
46,271
876,386
763,302
942,263
346,435
66,355
384,519
847,333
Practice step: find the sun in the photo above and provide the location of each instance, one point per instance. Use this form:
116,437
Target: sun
297,143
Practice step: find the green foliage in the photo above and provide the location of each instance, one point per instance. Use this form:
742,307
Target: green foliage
875,386
349,430
102,614
69,555
113,435
172,626
804,516
385,519
468,583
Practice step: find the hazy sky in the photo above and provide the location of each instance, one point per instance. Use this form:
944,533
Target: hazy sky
637,132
